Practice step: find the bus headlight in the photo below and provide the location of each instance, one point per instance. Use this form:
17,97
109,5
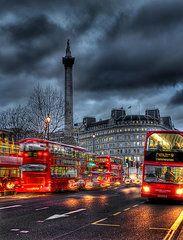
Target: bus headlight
137,181
117,183
179,191
72,185
10,185
89,185
146,189
127,181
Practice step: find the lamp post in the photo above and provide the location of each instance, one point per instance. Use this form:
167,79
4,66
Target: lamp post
137,167
93,137
128,167
47,124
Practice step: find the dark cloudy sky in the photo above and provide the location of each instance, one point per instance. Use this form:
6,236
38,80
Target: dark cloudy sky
128,52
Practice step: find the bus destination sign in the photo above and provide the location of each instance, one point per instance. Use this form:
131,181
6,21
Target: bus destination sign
162,156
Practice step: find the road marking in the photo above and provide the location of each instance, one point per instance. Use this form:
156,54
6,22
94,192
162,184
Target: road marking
78,210
169,235
15,229
38,209
24,231
136,205
177,222
71,232
65,214
104,224
117,213
55,216
13,206
174,227
107,225
142,202
101,220
126,209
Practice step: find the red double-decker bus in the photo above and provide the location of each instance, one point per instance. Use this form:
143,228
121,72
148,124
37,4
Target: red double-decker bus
104,171
163,165
10,164
50,166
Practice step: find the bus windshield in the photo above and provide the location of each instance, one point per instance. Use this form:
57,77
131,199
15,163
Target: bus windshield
171,142
163,174
32,146
33,167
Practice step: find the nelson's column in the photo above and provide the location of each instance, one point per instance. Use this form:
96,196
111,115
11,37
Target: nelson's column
68,62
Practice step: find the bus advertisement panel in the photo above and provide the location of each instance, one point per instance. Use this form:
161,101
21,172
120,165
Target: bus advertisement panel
50,166
163,165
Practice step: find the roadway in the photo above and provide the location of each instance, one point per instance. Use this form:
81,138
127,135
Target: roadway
112,214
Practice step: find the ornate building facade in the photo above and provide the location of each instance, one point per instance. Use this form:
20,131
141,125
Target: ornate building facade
122,135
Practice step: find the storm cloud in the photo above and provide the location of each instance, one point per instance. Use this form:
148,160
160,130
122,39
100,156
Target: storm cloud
31,41
177,99
127,52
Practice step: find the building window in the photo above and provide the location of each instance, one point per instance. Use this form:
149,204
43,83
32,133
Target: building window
112,151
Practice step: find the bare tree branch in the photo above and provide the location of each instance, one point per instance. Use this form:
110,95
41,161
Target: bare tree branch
29,120
43,102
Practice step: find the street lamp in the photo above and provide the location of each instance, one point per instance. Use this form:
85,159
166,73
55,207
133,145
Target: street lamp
93,137
47,123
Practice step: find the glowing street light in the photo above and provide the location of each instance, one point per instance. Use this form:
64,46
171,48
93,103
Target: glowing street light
47,124
48,119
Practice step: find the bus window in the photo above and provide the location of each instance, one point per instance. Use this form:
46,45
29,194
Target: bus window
165,142
9,172
32,147
163,174
33,167
4,172
58,172
14,173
